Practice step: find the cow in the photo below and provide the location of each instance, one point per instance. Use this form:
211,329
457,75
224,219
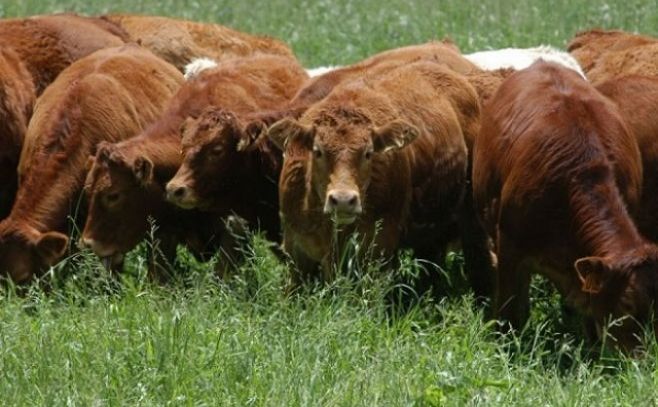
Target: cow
137,170
556,175
520,58
487,82
640,60
588,46
33,51
318,87
181,41
389,149
109,95
636,97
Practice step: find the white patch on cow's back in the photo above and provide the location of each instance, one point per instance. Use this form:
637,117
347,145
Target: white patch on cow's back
197,66
321,70
520,58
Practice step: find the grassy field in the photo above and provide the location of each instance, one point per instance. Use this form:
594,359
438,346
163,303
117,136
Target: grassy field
96,341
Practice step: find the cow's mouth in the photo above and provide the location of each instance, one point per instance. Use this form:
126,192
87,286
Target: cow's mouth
343,218
112,261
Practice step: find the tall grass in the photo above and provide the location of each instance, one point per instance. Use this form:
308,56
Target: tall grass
93,339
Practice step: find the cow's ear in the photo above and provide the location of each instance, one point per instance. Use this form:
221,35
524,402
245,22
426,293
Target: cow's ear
90,162
250,134
593,274
143,170
285,130
393,135
51,246
185,126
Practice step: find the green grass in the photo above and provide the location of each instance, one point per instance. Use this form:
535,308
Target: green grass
95,341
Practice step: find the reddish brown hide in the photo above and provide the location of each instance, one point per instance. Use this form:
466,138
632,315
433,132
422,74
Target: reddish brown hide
641,60
554,170
71,117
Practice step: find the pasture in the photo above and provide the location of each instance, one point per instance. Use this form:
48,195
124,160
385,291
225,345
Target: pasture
93,340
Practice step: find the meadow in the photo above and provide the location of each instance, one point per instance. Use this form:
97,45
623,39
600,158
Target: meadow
91,339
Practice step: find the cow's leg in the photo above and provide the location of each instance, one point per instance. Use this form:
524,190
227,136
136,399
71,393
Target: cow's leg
233,239
303,270
478,259
511,298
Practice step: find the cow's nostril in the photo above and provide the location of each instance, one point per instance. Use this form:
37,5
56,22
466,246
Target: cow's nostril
333,201
352,201
179,192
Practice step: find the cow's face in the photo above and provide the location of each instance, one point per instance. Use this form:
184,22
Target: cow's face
626,291
27,253
120,192
213,147
342,158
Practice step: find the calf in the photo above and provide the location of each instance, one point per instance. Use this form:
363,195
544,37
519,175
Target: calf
33,51
588,46
389,148
109,95
637,99
137,170
555,172
180,41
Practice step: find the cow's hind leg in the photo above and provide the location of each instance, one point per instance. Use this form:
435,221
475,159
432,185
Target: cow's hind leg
511,298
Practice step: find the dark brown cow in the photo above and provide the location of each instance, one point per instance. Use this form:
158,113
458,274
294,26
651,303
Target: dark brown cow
317,88
554,170
109,95
180,41
127,182
347,165
33,51
588,46
637,99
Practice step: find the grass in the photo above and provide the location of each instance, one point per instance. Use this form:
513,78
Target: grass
93,340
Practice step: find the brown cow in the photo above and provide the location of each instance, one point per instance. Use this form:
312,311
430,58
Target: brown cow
317,88
642,60
347,165
588,46
487,82
137,170
111,94
637,99
554,170
33,51
180,41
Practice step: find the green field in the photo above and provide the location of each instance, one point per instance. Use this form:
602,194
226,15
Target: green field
95,341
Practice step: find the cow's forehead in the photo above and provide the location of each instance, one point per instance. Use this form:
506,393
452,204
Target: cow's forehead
344,136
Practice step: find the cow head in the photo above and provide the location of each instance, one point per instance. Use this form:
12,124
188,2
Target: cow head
624,289
121,193
214,147
342,157
26,252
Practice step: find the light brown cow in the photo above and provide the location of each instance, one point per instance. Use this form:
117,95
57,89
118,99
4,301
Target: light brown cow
110,95
642,60
637,99
588,46
317,88
389,148
180,41
555,172
127,182
33,51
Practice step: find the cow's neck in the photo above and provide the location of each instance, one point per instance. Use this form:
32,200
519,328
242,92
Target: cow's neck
602,223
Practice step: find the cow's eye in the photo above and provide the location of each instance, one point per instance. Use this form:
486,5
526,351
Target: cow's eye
317,152
368,154
217,150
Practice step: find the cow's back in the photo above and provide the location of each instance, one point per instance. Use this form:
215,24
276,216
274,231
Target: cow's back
640,60
180,41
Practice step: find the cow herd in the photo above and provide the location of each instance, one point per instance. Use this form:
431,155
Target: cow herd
530,159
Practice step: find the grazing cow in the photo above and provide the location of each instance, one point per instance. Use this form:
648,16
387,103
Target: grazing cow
588,46
641,60
180,41
390,148
555,172
637,99
520,58
137,170
109,95
33,51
